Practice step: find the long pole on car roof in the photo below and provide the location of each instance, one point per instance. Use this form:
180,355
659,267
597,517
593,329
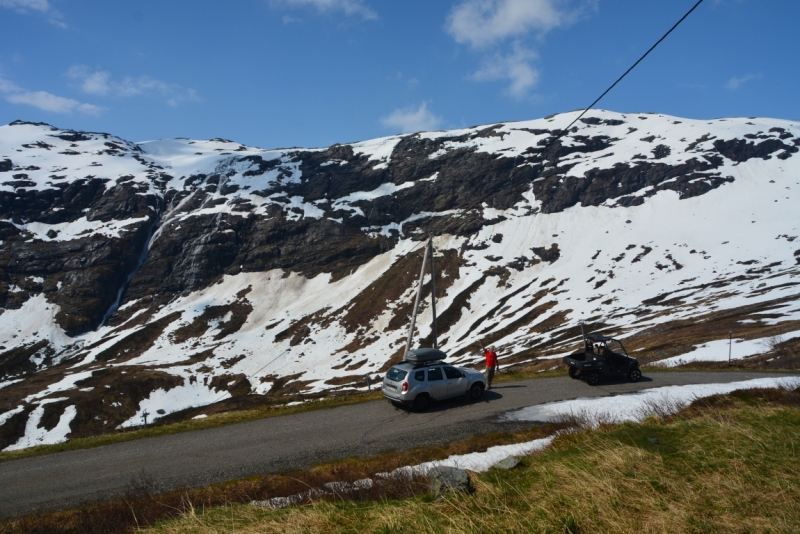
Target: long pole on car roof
416,301
585,342
433,296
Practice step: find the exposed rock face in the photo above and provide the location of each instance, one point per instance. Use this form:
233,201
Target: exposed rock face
445,480
212,270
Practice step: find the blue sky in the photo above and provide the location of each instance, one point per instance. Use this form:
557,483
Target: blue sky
279,73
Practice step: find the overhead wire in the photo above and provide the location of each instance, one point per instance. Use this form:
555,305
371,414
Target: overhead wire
551,143
565,130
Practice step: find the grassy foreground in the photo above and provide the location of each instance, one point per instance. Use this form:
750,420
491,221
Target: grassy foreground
725,464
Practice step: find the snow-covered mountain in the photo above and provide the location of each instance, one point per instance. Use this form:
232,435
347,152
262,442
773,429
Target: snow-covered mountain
170,274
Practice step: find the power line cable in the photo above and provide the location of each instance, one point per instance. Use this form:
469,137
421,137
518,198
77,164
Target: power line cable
565,130
250,376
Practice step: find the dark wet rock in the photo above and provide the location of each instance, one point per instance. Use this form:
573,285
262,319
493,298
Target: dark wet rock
90,270
549,255
449,480
692,178
740,150
661,151
72,136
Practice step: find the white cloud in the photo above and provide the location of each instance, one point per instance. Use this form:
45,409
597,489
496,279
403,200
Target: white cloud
50,102
7,86
735,82
355,8
489,26
485,22
515,67
411,120
94,83
143,85
99,82
44,100
24,5
42,6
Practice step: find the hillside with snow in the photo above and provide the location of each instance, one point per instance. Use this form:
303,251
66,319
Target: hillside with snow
182,276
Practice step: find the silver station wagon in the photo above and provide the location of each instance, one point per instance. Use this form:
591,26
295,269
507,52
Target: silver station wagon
423,378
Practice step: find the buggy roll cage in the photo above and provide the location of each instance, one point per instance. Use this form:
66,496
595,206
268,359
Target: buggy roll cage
597,338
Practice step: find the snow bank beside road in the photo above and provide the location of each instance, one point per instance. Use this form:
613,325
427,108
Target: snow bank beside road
637,406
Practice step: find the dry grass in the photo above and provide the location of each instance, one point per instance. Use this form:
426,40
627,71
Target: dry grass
725,464
143,505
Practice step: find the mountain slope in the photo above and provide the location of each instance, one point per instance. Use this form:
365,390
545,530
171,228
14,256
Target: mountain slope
169,274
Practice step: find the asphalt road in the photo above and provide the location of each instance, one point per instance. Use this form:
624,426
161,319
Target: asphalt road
289,442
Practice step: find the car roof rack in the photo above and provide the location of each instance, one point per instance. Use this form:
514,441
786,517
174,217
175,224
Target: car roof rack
422,365
425,355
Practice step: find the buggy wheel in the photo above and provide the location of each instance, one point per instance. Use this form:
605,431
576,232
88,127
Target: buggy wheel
422,402
593,378
634,374
475,392
573,372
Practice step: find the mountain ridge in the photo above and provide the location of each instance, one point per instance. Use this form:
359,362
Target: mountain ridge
196,264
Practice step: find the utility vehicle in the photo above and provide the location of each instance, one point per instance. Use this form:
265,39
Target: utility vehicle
602,357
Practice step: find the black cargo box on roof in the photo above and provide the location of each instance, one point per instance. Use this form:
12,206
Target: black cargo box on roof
425,355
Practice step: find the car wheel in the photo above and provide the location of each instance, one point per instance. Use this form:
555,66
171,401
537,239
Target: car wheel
422,402
593,378
476,391
634,374
574,372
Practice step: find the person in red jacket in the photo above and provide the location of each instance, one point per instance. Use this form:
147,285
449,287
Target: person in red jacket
491,364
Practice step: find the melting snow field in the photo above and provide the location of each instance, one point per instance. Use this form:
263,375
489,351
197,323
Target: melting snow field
717,351
161,402
36,435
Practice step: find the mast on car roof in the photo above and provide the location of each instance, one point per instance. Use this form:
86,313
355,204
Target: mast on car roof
428,252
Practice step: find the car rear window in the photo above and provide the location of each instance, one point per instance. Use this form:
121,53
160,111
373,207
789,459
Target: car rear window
435,374
395,374
419,376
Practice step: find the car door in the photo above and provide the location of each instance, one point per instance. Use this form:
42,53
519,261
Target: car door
437,385
457,383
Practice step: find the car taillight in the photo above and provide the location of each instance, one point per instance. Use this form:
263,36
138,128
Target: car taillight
405,387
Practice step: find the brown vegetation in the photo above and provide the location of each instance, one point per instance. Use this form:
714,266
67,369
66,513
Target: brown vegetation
143,505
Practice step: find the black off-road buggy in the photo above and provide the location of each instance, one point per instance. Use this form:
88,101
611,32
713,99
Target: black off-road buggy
602,357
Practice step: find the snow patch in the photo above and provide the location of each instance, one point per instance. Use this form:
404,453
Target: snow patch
174,400
636,406
35,435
